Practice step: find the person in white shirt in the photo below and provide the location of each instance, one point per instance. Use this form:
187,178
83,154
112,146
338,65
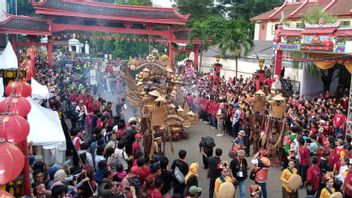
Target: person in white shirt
343,169
81,109
121,155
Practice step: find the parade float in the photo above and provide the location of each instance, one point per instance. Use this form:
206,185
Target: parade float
153,90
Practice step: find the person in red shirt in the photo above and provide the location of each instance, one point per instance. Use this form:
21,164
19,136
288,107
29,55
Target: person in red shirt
136,147
303,158
347,185
156,192
339,122
313,177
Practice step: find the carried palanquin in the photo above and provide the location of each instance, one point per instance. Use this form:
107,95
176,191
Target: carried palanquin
152,89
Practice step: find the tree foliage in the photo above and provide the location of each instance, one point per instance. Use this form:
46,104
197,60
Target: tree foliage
134,2
198,9
315,14
246,9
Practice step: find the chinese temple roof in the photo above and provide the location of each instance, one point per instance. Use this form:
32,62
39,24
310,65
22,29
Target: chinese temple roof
25,25
90,9
332,31
294,10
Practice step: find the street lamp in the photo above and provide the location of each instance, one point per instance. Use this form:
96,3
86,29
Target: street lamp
261,63
217,67
217,58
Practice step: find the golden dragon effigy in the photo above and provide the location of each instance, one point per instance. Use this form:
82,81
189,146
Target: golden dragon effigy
153,89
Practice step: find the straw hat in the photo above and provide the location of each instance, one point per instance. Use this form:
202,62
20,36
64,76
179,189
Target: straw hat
146,70
172,106
154,93
140,83
260,92
160,99
180,109
242,133
278,98
190,113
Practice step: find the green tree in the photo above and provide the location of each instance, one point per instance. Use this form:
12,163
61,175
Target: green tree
134,2
232,36
24,7
236,39
198,9
246,9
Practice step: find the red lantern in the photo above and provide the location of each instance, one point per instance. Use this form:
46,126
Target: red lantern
128,39
21,88
11,163
18,105
13,128
140,39
134,39
340,62
145,40
348,61
328,43
58,37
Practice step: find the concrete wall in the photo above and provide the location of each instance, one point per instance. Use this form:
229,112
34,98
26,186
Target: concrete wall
246,68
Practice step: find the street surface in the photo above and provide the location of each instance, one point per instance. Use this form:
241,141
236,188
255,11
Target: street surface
195,133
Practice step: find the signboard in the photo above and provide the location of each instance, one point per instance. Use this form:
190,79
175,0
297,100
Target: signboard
339,48
309,39
289,47
316,48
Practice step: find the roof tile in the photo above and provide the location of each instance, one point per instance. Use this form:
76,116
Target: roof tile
109,11
26,24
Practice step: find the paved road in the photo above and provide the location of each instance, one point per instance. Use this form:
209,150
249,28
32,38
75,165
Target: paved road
191,145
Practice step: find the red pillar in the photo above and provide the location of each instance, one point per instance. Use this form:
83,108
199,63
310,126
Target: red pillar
50,53
171,52
196,57
27,182
278,62
278,57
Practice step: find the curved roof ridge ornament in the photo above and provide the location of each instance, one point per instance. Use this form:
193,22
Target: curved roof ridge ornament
299,8
329,5
278,10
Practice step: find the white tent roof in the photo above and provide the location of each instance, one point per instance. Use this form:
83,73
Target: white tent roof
8,59
39,91
45,128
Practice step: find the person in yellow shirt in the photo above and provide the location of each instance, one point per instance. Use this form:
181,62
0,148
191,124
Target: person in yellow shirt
225,177
328,189
285,176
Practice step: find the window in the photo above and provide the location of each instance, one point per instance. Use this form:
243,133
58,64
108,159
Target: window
299,25
345,24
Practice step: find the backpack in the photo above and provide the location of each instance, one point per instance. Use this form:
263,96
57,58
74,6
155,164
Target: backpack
207,142
180,177
134,181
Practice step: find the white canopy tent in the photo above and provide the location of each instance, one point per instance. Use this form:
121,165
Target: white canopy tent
8,60
39,91
46,131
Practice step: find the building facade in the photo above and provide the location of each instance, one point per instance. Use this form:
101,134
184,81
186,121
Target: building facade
291,12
